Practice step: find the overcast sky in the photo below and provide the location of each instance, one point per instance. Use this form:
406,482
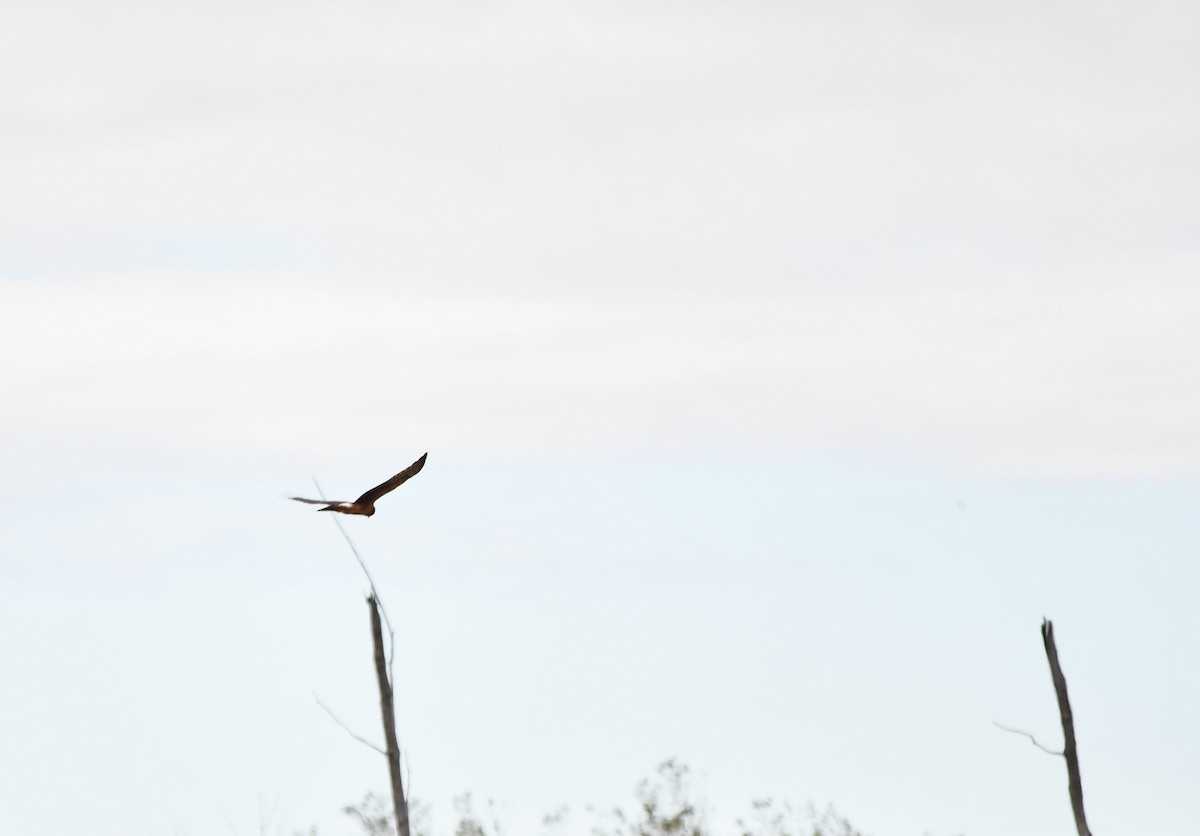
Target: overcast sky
780,366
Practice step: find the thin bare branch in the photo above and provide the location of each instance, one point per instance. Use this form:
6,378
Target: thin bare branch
1032,739
349,730
353,548
229,823
407,774
391,650
370,580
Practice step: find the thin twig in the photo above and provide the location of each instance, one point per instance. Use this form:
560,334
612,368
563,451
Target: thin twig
391,653
353,548
347,729
407,773
367,572
370,580
1032,739
375,594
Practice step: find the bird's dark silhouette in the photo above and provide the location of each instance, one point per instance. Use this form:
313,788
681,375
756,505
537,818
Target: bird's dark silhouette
365,504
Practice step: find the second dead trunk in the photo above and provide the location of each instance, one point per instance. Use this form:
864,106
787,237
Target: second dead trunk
1074,782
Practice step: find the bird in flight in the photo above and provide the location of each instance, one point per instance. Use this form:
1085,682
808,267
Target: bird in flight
365,504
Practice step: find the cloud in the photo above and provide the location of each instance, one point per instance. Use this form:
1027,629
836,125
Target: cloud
549,143
927,232
1028,374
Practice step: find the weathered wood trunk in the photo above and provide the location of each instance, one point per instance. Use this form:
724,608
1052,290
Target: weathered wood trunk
1074,782
388,709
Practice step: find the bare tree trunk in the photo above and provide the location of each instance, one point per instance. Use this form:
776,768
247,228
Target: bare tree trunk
387,707
1074,783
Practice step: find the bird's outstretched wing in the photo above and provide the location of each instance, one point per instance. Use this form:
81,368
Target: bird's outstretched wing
396,481
319,501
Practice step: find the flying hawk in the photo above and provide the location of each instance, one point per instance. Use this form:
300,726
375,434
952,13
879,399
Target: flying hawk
365,504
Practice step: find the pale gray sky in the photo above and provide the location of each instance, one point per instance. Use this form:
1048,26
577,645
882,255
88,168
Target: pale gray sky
780,366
